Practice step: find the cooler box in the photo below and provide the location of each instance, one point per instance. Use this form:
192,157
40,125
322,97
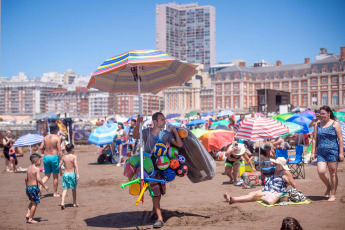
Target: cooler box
245,167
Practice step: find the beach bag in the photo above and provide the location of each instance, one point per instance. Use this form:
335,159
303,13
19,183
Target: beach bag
135,160
271,197
295,196
148,165
102,158
251,179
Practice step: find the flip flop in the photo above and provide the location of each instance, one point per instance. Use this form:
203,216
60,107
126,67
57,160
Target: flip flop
62,206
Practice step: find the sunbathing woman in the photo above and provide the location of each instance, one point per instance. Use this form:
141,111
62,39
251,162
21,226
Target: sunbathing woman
278,182
234,155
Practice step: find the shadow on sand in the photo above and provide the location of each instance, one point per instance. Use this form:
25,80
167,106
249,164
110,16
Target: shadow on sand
317,198
133,220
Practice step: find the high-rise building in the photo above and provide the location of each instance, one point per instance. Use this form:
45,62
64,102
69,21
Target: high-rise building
187,32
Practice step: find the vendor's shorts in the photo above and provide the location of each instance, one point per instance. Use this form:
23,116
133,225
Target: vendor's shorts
158,189
51,164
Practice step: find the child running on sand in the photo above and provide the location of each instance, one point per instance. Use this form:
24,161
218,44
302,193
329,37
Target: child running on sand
70,176
32,191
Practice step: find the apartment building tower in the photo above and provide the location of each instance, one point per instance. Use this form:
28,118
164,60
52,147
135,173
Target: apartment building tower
187,32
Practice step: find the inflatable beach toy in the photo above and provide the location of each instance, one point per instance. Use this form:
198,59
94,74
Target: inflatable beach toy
160,149
174,163
172,152
181,159
169,174
162,162
182,171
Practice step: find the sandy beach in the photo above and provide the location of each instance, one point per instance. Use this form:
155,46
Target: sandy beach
104,205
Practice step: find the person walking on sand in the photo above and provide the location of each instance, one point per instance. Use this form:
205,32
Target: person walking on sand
150,137
7,141
51,148
32,179
70,176
328,148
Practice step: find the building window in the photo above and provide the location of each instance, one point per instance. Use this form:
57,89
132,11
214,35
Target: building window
227,93
294,84
262,99
285,76
335,79
295,98
304,83
304,97
267,85
324,99
305,90
236,86
313,80
227,86
276,85
294,91
335,99
334,69
227,99
324,80
218,87
236,99
285,84
314,71
236,92
294,75
324,70
258,86
218,100
227,78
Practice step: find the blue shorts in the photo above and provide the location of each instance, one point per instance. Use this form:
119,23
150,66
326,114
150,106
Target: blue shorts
69,181
51,164
33,192
119,141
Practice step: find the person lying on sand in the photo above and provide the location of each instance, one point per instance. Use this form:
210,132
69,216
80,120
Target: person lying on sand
278,182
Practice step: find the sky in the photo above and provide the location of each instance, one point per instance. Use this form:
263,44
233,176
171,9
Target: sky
39,36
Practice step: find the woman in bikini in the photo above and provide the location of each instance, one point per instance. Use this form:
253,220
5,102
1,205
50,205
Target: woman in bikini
278,182
120,140
7,141
234,155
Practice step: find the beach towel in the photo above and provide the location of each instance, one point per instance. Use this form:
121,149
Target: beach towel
282,203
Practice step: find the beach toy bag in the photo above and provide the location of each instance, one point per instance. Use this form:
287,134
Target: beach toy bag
135,160
134,189
129,170
148,165
251,179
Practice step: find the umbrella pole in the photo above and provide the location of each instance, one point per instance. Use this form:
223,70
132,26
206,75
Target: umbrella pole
30,151
141,135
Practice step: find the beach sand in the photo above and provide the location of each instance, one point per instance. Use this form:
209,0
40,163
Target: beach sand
104,205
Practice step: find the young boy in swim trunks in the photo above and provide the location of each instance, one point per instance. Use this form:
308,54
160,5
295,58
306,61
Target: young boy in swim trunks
32,191
70,176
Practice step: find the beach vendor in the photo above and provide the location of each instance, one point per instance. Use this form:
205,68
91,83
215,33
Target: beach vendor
150,137
278,183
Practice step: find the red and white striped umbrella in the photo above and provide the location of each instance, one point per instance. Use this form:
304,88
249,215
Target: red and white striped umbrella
257,129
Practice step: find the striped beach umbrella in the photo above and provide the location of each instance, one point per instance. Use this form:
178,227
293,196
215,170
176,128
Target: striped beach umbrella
27,140
103,135
141,71
257,129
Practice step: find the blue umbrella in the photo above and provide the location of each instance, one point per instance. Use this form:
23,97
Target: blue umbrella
225,113
207,114
103,135
196,122
306,115
129,119
303,121
29,139
170,116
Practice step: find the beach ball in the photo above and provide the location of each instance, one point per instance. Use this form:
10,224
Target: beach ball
168,174
172,152
182,171
160,149
174,163
181,159
162,162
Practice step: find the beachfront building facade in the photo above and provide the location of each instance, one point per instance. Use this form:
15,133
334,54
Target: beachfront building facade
311,84
183,99
128,104
101,104
187,32
206,99
74,104
24,98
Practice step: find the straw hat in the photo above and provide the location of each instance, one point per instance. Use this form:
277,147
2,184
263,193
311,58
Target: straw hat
241,149
281,161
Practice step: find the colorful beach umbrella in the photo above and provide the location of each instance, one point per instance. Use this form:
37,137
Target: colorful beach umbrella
257,129
221,122
339,115
103,135
190,114
284,116
303,121
199,132
28,140
341,110
225,113
196,122
215,140
141,71
170,116
306,115
207,114
223,127
259,115
309,112
298,110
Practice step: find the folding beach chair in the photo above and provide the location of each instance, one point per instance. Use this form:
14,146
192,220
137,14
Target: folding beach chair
282,153
297,165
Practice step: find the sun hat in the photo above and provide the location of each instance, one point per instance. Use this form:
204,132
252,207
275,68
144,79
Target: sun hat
281,161
241,149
